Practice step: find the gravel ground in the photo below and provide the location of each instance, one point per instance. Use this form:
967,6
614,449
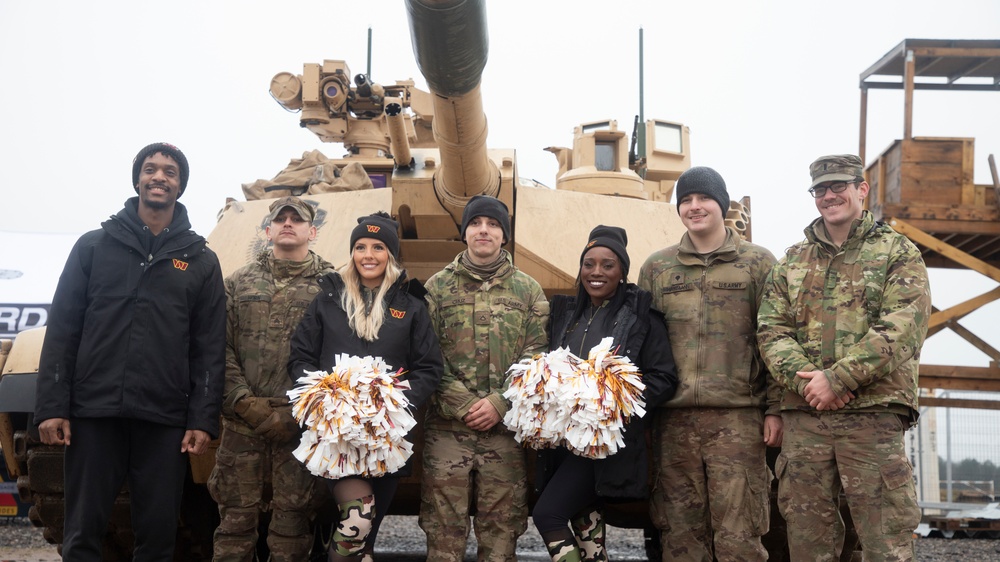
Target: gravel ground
401,539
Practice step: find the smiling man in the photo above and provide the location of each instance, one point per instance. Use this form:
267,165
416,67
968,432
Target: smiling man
487,315
265,300
844,316
710,495
132,365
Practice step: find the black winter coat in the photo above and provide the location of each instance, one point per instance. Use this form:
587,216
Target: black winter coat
405,340
137,328
641,333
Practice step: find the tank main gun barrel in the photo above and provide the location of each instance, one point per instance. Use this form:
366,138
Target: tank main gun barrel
450,42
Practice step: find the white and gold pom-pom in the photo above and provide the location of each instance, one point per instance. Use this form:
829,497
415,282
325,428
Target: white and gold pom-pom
558,399
356,418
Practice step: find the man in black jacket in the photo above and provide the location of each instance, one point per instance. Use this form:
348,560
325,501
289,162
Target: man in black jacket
133,362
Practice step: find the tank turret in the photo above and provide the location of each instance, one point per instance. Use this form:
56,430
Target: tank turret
429,150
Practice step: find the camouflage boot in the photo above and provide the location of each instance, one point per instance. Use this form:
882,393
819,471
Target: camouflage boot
588,527
564,550
348,539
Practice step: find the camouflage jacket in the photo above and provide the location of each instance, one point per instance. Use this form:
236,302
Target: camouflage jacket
264,303
484,327
710,303
858,313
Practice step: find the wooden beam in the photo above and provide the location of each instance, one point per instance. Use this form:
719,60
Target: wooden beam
967,335
939,227
963,309
943,212
940,247
909,66
963,52
960,403
996,180
975,340
959,377
863,128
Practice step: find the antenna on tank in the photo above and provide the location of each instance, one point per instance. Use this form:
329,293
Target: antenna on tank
369,74
642,101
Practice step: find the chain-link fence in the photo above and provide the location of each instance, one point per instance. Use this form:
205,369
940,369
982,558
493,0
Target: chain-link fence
956,452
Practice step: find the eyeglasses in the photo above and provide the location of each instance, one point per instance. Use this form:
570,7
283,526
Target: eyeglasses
836,187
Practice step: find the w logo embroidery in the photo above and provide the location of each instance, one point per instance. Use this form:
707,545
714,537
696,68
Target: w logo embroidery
181,265
396,313
374,228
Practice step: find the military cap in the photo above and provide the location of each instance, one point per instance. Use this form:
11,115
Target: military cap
836,167
304,209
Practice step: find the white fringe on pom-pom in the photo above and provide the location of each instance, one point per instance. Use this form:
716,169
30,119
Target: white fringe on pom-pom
355,417
558,399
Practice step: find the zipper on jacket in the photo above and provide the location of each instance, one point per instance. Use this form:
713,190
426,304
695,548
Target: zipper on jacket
702,330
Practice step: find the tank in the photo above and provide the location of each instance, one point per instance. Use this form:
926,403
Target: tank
420,155
424,154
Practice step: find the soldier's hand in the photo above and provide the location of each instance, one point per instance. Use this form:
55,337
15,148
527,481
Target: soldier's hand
819,393
54,431
774,431
253,410
482,416
195,441
279,427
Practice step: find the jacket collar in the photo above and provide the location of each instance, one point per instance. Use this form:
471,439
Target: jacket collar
687,254
860,229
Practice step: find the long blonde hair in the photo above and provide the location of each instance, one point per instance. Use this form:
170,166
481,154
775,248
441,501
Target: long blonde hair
366,326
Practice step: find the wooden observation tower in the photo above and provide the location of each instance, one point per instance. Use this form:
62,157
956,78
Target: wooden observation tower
924,188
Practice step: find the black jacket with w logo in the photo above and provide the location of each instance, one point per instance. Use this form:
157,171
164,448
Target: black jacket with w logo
137,327
405,340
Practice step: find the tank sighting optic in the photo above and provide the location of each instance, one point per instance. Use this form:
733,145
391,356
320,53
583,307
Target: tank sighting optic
336,110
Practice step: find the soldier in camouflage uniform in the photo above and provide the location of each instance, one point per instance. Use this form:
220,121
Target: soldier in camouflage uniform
265,301
844,315
710,492
487,315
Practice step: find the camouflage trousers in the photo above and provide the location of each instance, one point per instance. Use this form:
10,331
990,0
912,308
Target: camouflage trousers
862,454
245,466
460,464
710,483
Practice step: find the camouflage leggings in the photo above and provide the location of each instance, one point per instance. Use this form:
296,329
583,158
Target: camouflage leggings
862,454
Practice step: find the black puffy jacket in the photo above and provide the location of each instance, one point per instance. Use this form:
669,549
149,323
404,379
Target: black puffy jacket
640,332
137,328
405,341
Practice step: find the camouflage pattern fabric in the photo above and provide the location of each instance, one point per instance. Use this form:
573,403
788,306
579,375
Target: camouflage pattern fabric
484,326
711,483
264,302
488,468
862,454
589,530
711,303
858,313
564,551
710,474
244,465
356,517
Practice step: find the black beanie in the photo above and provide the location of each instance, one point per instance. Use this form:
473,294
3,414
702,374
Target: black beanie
379,226
704,180
612,237
486,206
163,148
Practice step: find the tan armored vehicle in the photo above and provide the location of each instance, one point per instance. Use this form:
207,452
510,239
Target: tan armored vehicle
420,156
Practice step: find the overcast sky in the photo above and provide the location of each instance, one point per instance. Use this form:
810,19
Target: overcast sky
765,88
